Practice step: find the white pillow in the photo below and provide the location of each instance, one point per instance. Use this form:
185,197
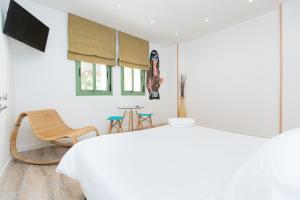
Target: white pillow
273,173
181,122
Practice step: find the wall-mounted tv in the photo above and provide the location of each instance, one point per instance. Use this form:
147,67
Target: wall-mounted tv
23,26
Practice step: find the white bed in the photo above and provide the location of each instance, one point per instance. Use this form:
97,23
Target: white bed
163,163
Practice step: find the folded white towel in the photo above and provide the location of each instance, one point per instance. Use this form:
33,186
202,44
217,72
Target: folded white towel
181,122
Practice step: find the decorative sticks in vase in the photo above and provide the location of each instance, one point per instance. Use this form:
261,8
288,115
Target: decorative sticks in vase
182,111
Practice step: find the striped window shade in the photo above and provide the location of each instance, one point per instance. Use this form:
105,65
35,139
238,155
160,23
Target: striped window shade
91,42
133,52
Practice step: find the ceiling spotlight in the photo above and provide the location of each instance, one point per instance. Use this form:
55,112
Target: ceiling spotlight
152,21
206,20
250,1
176,33
119,5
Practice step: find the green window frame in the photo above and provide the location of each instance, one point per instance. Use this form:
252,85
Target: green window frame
132,92
94,91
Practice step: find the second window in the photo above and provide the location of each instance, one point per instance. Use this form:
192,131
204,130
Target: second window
133,81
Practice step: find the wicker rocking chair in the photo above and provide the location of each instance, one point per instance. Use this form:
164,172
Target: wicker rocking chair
48,126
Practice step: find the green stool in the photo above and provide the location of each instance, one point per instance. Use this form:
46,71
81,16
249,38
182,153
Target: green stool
144,117
115,122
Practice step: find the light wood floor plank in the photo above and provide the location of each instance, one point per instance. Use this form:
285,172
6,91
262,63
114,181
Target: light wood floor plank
32,182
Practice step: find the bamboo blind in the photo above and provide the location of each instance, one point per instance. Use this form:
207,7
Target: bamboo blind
91,42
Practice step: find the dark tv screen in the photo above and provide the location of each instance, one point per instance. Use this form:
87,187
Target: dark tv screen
23,26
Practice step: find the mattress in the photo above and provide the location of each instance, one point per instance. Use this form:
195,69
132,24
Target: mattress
165,163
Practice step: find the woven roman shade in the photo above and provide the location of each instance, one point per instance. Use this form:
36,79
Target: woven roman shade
91,42
133,52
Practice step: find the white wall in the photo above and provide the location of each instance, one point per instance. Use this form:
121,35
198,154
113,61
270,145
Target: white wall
171,66
233,77
6,85
47,80
291,117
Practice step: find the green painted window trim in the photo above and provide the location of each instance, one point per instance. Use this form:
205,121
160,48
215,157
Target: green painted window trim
80,92
133,93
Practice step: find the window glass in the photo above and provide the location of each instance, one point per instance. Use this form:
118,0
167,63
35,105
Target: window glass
86,76
133,81
127,79
93,79
137,80
101,77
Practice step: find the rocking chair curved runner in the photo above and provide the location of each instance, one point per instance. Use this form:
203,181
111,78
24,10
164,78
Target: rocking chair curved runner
48,126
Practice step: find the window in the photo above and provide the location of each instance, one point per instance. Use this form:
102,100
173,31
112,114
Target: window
93,79
133,81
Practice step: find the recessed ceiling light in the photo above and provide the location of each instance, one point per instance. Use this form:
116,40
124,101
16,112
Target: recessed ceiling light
176,33
152,21
206,20
119,5
250,1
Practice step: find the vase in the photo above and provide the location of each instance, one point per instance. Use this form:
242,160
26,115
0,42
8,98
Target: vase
181,110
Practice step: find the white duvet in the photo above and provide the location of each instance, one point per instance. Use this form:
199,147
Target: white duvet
163,163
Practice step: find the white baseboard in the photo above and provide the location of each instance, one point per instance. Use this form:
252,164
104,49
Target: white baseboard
4,167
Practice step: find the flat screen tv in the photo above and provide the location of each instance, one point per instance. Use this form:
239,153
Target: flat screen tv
23,26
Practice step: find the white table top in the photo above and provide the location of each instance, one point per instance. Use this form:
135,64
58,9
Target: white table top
131,108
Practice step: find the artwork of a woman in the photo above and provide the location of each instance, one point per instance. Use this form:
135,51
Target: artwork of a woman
153,76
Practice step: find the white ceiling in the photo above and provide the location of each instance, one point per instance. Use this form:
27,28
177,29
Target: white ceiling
186,17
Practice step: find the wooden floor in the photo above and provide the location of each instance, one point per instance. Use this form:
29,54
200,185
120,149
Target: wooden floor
33,182
29,182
